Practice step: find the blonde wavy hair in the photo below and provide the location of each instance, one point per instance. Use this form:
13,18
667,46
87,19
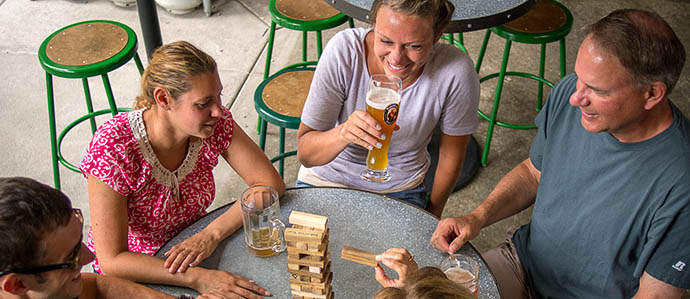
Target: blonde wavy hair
440,11
172,66
430,283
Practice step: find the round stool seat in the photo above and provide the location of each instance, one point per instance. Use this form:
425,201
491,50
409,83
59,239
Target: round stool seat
87,49
546,22
305,15
280,98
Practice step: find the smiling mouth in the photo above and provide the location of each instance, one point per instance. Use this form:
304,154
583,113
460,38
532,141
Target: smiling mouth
585,114
397,68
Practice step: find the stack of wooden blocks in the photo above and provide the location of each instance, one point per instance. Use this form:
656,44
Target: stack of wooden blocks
309,260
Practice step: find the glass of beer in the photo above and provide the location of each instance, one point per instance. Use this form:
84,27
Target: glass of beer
383,103
462,269
264,233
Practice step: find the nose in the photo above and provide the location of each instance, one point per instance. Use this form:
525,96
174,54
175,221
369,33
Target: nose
216,110
579,97
86,256
395,55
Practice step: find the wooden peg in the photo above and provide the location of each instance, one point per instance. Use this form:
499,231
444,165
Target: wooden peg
359,256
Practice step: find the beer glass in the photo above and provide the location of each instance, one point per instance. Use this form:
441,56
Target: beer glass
383,103
462,269
264,233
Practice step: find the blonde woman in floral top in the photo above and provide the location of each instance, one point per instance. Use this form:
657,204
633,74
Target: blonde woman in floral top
149,173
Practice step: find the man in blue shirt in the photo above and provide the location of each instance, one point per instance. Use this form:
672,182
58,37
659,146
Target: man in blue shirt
608,176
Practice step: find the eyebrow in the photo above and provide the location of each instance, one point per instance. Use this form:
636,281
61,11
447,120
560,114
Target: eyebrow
380,35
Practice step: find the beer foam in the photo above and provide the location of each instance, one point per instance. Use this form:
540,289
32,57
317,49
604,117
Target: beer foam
380,98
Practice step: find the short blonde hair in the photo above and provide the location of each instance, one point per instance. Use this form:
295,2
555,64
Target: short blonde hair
172,67
440,11
430,283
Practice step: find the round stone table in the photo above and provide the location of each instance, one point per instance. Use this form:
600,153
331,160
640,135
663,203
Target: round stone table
469,15
359,219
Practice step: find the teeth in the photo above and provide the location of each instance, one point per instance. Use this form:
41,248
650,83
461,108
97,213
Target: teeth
396,67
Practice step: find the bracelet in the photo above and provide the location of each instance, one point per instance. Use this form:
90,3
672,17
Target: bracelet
185,296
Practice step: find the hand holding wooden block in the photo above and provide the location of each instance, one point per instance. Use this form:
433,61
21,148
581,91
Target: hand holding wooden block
359,256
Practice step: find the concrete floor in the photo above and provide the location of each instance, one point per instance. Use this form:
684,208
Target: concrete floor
236,36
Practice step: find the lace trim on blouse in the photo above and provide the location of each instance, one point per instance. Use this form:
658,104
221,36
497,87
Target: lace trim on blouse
164,176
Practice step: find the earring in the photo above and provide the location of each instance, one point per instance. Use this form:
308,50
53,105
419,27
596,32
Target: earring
166,108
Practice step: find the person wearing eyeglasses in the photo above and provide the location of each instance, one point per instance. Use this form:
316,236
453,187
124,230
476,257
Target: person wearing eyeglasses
41,252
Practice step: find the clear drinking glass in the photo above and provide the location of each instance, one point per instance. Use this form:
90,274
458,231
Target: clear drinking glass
462,269
264,233
383,103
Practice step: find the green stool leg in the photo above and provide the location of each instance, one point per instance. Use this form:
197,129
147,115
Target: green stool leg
351,22
109,93
53,134
281,151
267,66
269,49
497,99
319,47
138,62
89,104
540,91
262,134
482,50
304,46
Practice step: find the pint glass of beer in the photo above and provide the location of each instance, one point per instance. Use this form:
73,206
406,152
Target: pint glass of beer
383,103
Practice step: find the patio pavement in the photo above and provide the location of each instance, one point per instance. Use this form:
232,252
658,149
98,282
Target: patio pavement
236,37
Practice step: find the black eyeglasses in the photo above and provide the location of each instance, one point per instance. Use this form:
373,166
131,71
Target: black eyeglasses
74,256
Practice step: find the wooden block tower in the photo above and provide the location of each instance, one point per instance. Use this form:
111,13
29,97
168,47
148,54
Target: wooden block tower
309,260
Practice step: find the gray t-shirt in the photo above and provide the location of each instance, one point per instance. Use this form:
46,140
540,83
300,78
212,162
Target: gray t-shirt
606,211
447,92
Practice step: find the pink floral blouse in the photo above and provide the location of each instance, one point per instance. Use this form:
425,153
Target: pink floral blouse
160,203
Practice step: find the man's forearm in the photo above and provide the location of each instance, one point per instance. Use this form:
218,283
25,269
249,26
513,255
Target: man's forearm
101,286
514,193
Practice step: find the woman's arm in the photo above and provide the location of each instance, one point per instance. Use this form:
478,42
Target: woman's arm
109,222
316,148
451,155
247,159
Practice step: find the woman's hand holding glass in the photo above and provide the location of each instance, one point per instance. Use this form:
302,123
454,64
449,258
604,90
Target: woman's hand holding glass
190,252
401,261
361,128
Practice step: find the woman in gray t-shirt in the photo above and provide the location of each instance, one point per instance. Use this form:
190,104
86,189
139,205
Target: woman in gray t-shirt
440,87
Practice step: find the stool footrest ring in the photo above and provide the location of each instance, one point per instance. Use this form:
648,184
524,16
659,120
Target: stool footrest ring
283,156
71,126
516,74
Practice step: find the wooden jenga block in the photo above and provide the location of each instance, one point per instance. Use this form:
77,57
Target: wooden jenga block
293,266
359,256
301,235
310,220
295,250
308,295
308,261
314,285
305,271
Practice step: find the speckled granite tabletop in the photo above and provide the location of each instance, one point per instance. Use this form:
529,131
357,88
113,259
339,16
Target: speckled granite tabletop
359,219
469,15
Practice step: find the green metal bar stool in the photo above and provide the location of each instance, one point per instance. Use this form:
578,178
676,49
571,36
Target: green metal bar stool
279,100
548,21
82,50
305,16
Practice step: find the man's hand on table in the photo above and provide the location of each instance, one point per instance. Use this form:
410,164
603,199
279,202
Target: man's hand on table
401,261
190,252
221,284
452,233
